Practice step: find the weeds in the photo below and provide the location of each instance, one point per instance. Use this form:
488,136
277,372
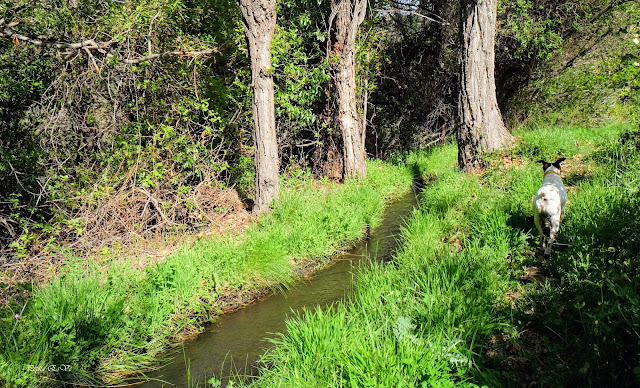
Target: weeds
452,308
109,320
593,305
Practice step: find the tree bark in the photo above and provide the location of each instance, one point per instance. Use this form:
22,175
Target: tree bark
481,127
259,20
349,15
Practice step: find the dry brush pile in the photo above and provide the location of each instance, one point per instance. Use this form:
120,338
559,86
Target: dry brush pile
120,124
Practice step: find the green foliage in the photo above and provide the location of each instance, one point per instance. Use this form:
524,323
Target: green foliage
76,130
301,82
301,76
413,321
107,320
596,78
21,86
414,61
160,124
588,303
539,27
434,313
601,278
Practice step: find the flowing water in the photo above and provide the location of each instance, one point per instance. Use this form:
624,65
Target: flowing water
236,340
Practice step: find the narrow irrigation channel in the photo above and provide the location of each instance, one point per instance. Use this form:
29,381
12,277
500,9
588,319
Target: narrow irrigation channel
233,344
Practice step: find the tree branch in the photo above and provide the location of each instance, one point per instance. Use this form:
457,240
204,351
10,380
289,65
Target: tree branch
613,4
408,12
6,31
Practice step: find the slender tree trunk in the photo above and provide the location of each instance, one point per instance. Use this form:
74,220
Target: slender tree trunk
259,19
349,15
481,126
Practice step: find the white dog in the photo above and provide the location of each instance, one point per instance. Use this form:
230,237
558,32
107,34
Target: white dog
548,204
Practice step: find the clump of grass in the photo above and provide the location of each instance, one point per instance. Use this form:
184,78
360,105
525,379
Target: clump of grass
415,321
108,320
455,290
593,306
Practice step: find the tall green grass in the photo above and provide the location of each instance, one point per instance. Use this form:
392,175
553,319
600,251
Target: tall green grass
429,317
591,310
414,322
104,320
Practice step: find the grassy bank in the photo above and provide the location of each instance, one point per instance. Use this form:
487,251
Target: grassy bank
592,79
105,319
467,303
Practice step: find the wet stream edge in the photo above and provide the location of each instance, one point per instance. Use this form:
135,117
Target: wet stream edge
230,347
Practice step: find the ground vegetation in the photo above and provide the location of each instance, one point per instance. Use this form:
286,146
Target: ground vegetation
127,178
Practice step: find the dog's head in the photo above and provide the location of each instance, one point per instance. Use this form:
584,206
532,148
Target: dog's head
556,164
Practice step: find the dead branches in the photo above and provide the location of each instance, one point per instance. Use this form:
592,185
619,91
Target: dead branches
89,46
156,205
126,158
130,219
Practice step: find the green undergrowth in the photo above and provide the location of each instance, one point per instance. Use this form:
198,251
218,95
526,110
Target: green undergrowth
451,308
414,321
594,77
582,327
104,320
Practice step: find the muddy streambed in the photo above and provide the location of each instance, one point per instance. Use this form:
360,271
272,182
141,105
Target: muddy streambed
235,342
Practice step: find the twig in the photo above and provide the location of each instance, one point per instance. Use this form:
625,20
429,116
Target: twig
150,26
93,60
416,13
15,174
195,201
7,32
613,4
554,332
4,221
179,53
155,203
435,141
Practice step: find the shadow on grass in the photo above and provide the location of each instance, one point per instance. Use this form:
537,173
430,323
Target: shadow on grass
419,181
522,221
576,179
581,326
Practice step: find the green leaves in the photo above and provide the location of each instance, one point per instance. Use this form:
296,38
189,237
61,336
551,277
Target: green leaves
536,27
300,74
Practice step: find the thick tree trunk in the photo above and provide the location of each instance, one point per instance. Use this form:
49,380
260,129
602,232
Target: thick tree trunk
481,126
259,19
349,16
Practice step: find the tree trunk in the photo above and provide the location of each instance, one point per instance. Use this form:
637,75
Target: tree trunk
259,19
349,15
481,126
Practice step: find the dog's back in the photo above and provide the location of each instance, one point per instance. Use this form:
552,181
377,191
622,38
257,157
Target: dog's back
548,204
549,200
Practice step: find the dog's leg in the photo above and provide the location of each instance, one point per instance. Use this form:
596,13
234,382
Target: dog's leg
538,222
555,227
547,250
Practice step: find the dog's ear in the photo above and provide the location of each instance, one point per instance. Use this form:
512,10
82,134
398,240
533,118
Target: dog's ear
545,164
556,164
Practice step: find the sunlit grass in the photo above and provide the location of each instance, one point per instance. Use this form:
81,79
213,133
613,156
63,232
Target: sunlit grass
427,317
106,320
415,320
